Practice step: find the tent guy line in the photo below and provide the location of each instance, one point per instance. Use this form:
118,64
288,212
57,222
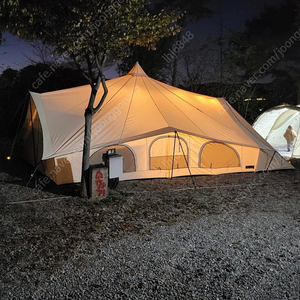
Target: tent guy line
218,186
39,200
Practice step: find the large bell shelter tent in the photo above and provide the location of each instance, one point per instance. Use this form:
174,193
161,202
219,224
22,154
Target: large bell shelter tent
160,130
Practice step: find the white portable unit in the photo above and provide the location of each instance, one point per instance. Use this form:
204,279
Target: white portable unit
115,166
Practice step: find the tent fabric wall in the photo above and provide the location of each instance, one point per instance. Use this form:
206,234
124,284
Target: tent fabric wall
251,160
272,124
144,116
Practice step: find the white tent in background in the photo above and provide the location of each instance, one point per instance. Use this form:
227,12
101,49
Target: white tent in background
272,124
160,130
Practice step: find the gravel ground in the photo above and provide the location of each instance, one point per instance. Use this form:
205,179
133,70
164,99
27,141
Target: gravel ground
236,236
246,256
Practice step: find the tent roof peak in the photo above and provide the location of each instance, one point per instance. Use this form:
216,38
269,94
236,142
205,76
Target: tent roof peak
137,71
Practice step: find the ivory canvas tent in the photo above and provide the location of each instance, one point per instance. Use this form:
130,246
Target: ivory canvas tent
160,130
272,124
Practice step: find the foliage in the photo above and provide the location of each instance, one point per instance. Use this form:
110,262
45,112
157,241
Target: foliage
266,55
264,35
193,10
267,41
88,30
153,62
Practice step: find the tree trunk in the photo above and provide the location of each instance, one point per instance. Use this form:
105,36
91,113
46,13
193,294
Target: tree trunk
88,116
86,153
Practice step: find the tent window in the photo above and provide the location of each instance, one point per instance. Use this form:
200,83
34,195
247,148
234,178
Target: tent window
216,155
164,154
128,157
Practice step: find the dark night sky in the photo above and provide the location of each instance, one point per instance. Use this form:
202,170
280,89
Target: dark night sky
13,52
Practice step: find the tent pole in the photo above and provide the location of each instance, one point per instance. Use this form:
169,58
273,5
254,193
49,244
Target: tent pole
32,131
271,160
187,164
33,173
19,108
33,141
19,125
173,159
